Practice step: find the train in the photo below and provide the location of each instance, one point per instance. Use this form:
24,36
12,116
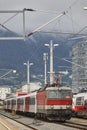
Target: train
79,105
50,103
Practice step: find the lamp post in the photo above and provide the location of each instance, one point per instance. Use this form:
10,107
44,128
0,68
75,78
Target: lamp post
45,58
51,45
28,75
9,71
85,8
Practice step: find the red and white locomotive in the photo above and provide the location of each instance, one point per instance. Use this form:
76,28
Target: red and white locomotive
79,104
52,103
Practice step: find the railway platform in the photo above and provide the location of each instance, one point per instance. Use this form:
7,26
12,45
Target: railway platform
6,125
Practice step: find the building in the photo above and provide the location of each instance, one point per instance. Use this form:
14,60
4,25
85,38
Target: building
25,89
31,87
79,66
4,91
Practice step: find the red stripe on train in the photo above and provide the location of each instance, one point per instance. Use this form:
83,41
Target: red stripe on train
58,102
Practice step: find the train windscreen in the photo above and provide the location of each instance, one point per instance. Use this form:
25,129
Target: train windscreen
56,94
66,94
53,94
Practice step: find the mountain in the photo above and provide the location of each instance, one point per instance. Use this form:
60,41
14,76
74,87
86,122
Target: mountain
13,53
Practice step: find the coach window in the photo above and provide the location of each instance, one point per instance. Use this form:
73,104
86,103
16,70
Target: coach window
5,103
13,102
21,102
32,101
27,101
18,101
8,102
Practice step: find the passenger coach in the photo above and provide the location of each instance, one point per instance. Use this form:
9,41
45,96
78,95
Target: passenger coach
79,105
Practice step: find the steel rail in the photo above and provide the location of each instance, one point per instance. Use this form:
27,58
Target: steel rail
19,122
75,125
3,124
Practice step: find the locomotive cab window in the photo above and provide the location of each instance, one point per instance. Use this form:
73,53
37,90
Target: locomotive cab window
79,100
65,94
53,94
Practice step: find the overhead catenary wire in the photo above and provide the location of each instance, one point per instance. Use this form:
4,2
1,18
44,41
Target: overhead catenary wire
67,10
66,59
73,22
44,11
6,73
10,18
55,32
72,4
50,21
6,28
3,26
73,63
47,11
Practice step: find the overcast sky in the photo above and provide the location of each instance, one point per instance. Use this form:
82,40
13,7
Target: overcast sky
74,20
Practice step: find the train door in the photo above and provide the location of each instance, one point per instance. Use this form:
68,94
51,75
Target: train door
18,104
33,103
79,103
41,101
85,105
4,104
8,104
22,104
13,104
27,102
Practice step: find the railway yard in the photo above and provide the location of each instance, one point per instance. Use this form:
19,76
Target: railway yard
51,95
9,121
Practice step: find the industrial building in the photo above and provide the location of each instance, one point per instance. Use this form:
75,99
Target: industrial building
79,66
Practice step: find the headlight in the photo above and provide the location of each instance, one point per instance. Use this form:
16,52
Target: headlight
51,107
68,107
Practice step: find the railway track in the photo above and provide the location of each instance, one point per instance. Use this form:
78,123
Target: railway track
75,125
69,124
28,126
3,126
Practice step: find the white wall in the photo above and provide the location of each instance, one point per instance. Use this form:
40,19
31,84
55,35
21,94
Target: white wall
31,87
4,91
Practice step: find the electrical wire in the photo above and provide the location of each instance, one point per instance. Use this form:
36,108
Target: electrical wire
3,26
10,18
